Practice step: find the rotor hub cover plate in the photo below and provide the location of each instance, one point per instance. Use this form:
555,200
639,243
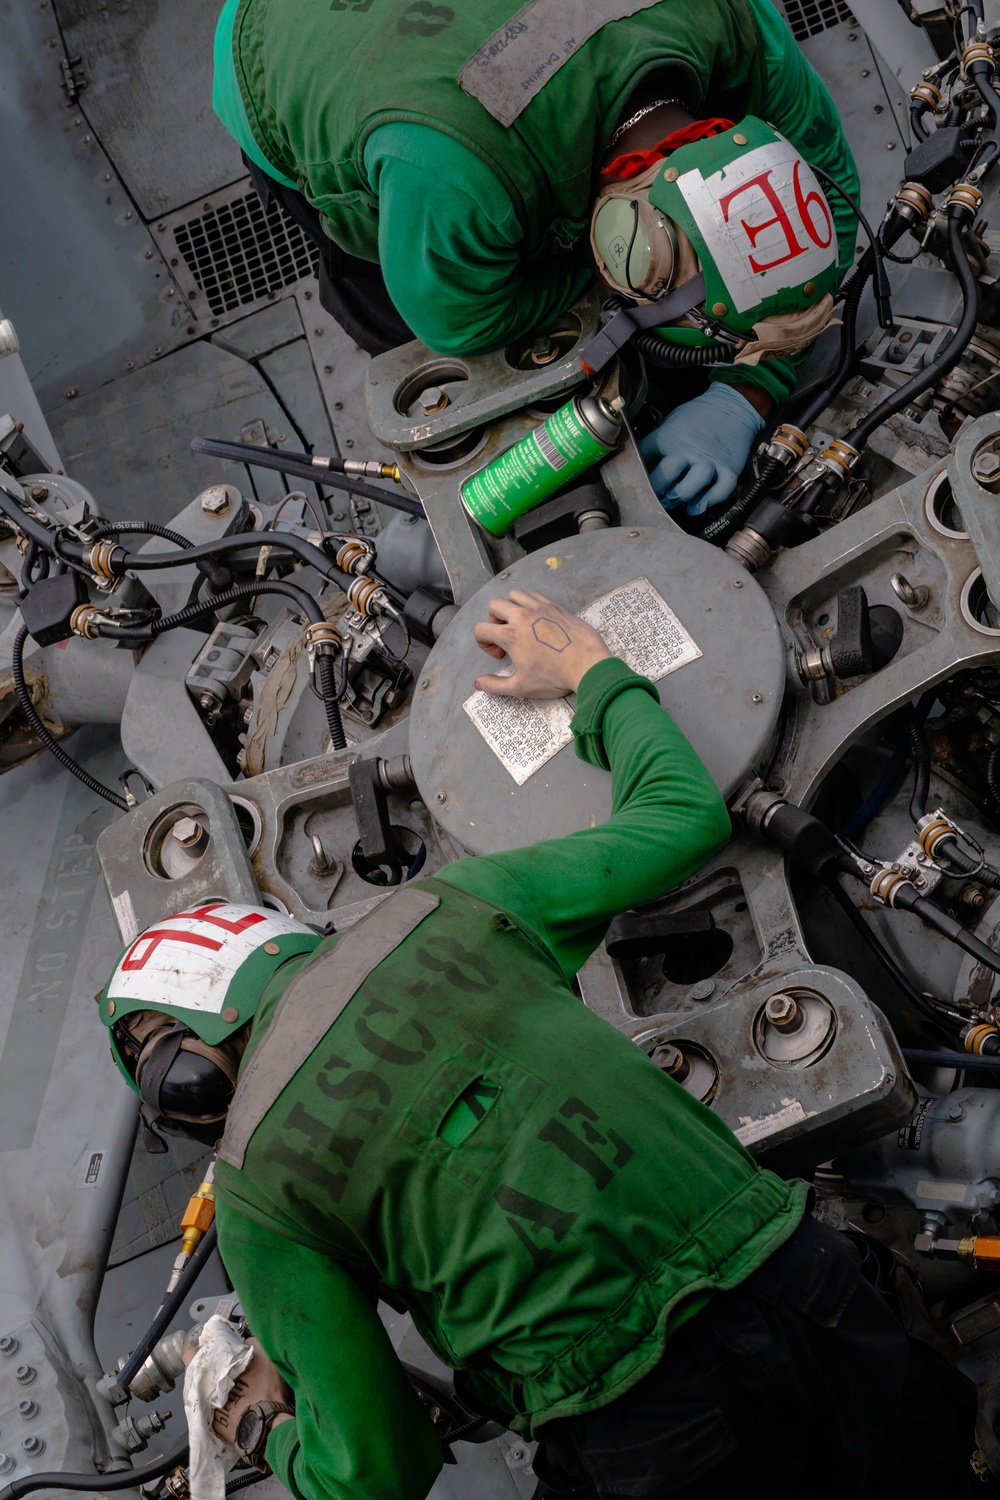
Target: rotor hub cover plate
497,773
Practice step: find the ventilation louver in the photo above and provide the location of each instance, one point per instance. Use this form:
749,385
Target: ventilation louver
239,252
809,17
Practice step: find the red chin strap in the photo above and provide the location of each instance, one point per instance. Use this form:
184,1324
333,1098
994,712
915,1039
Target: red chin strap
633,162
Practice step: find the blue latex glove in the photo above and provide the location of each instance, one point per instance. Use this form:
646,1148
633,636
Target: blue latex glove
702,447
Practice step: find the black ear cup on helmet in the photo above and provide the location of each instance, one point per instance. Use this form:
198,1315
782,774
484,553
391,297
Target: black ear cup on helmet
186,1086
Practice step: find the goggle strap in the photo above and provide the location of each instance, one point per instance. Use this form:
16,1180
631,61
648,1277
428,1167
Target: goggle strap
631,320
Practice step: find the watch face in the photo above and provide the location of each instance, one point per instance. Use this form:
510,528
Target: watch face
248,1429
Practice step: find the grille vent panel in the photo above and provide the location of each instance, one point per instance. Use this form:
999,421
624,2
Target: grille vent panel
809,17
239,252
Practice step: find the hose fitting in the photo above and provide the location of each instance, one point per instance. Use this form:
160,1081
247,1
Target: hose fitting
105,566
369,598
321,639
839,457
368,468
964,201
84,621
888,885
356,554
976,51
933,829
926,93
788,444
914,202
981,1038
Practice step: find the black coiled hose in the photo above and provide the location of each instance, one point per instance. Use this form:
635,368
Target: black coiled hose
124,1479
722,527
328,691
663,355
48,740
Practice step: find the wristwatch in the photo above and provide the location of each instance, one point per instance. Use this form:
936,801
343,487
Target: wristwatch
254,1428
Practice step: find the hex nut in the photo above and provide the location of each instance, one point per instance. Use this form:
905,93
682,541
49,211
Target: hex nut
9,1344
33,1445
27,1409
187,831
6,1463
433,399
781,1010
216,501
986,467
25,1374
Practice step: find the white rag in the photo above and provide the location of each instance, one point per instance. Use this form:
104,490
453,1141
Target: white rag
220,1357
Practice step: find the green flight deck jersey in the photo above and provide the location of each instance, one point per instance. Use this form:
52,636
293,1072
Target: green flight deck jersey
480,227
546,1203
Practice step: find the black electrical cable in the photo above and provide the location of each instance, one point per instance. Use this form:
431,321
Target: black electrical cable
917,111
243,1478
921,754
993,779
48,740
304,602
968,1060
124,1479
145,528
949,355
882,288
168,1311
313,557
907,898
885,958
303,467
967,864
721,527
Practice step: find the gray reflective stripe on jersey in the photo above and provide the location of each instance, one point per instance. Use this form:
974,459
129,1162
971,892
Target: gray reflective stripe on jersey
519,59
309,1007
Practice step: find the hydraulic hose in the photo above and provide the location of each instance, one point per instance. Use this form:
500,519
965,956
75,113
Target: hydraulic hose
917,120
168,1311
906,898
219,578
884,957
949,355
721,528
284,541
123,1479
48,740
331,702
967,864
303,467
968,1060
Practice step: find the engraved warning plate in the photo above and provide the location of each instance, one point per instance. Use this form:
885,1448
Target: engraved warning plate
637,624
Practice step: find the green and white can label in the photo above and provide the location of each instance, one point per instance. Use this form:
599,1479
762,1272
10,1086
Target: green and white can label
539,466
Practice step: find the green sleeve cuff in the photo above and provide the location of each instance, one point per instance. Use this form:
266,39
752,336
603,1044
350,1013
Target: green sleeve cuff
599,686
778,377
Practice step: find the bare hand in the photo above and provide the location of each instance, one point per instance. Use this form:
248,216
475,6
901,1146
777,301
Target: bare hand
260,1381
550,649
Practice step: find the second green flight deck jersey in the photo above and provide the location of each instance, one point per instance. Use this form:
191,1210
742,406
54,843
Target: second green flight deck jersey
480,229
546,1203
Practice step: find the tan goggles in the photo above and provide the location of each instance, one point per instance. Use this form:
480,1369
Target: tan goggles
634,244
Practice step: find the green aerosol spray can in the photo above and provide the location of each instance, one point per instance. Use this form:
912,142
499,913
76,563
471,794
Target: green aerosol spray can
575,438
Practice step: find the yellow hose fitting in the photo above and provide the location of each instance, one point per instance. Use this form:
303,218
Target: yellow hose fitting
355,554
370,468
977,1035
322,637
84,620
199,1214
926,93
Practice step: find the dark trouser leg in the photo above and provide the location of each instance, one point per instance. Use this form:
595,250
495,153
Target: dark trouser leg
353,291
800,1379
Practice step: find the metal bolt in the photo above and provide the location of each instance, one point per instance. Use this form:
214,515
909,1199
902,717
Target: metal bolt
781,1011
973,899
703,990
866,72
28,1409
25,1374
328,369
6,1463
33,1445
272,948
956,1112
756,697
672,1061
9,1344
913,598
349,443
130,364
986,467
38,492
737,583
187,831
633,534
425,683
440,796
71,392
890,145
433,399
216,501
